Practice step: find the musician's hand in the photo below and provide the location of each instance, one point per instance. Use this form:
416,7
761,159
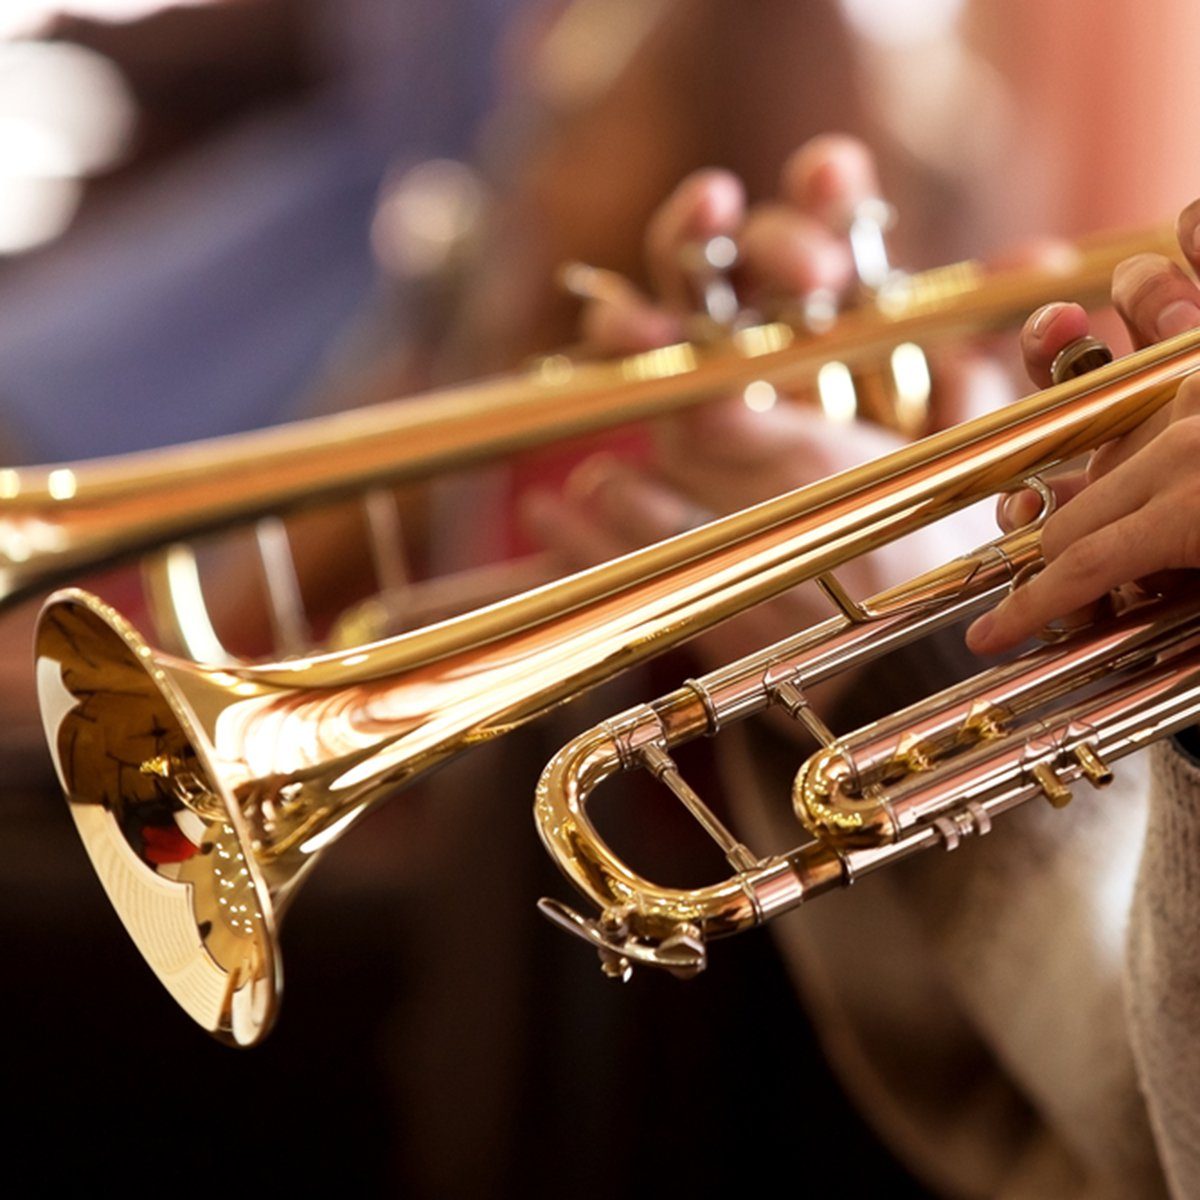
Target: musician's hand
787,248
729,455
1135,511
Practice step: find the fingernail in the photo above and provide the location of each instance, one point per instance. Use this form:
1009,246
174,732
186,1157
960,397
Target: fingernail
979,633
1041,319
1178,317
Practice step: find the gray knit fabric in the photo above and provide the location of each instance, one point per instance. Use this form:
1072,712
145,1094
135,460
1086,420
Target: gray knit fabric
1163,982
1016,1019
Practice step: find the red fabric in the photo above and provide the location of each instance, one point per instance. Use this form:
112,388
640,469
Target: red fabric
550,468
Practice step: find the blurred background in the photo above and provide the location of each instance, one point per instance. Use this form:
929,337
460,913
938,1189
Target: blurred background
223,214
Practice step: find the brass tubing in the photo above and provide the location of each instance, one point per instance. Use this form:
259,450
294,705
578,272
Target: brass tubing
1151,660
893,490
162,758
61,519
981,710
652,599
732,693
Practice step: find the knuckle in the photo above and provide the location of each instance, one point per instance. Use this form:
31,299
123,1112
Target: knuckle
1103,459
1177,448
1055,538
1137,278
830,171
1082,561
1022,610
1187,399
706,197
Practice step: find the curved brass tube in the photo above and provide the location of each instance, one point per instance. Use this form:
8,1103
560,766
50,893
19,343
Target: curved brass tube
205,794
929,776
59,520
639,917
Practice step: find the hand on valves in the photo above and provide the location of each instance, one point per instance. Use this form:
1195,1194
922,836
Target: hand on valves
1141,515
734,453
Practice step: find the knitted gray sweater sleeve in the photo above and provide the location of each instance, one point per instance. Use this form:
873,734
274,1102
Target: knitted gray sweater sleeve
1164,967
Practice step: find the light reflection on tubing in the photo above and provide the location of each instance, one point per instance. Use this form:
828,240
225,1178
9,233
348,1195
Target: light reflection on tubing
836,391
913,385
61,484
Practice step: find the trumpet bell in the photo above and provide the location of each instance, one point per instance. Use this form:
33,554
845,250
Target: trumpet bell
170,846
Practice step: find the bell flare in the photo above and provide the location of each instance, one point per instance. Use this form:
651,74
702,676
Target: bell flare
161,828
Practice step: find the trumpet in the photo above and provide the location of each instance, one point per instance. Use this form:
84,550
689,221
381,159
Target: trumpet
57,521
929,776
205,794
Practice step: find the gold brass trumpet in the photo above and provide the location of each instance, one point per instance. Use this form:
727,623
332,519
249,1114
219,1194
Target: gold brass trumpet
60,520
204,795
926,777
